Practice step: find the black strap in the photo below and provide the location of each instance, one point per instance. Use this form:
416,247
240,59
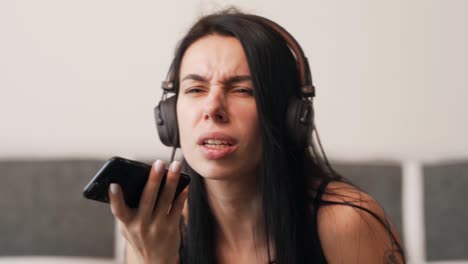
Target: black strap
319,193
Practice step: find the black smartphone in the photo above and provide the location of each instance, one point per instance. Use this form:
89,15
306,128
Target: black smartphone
131,176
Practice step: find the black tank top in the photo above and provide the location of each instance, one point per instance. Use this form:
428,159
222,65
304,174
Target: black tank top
317,203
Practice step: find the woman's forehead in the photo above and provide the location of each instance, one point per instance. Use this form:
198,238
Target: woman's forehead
215,56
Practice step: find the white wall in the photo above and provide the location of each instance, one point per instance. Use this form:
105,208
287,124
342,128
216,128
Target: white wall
80,78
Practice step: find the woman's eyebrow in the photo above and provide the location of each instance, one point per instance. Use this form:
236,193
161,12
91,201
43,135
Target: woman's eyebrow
194,77
229,81
237,79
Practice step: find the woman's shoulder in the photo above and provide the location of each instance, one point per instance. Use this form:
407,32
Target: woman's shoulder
353,227
347,205
337,192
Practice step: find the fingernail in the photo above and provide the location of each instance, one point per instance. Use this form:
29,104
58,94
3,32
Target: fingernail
158,166
175,166
114,188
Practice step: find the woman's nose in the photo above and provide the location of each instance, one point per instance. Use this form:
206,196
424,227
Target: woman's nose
215,108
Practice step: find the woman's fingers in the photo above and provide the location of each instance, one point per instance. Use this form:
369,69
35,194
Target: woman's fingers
149,229
147,210
178,205
117,203
148,197
167,195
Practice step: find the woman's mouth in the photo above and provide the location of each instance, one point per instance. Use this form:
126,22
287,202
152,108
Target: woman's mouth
214,149
216,144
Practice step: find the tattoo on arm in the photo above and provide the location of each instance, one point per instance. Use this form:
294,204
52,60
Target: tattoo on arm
390,258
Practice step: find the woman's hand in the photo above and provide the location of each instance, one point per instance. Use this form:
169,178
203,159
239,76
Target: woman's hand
153,234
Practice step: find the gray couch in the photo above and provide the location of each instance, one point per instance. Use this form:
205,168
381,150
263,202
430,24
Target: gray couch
44,213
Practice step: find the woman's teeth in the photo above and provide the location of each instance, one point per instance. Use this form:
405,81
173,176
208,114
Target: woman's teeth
216,146
215,143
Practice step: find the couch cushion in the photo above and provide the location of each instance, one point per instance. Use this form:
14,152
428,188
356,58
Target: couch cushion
446,212
55,260
44,213
383,181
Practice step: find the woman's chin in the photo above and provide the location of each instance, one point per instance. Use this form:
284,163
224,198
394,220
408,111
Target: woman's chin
214,172
210,169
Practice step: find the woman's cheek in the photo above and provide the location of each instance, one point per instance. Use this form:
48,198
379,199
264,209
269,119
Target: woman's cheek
186,123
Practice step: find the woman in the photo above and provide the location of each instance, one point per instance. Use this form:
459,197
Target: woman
260,192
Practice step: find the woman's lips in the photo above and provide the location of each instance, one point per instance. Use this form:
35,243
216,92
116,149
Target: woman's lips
216,144
217,153
216,136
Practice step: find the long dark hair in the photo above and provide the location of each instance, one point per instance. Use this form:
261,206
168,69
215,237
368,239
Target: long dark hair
286,172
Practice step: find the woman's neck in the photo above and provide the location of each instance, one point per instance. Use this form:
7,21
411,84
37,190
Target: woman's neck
237,208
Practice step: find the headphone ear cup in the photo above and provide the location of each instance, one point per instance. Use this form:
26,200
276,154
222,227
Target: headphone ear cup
166,122
299,121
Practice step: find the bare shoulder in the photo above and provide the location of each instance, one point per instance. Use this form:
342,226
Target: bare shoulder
353,228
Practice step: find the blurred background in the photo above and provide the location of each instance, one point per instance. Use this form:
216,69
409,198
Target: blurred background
79,81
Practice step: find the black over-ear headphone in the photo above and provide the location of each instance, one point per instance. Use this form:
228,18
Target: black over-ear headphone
300,112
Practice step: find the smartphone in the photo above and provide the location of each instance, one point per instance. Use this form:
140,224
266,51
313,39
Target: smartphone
131,176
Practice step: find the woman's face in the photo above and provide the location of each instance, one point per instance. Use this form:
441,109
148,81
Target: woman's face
216,110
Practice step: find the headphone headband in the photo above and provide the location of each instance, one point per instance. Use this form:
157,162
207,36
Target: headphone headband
307,88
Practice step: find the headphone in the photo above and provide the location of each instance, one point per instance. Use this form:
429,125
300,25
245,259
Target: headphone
300,111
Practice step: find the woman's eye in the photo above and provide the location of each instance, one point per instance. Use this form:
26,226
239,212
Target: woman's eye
193,90
244,90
